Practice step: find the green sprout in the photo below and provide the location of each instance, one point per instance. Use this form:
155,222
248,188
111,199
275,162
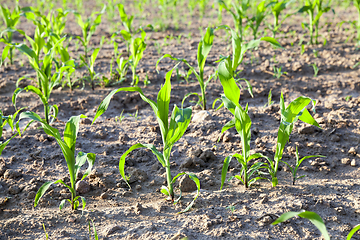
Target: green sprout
204,48
316,69
294,112
297,165
278,73
242,123
67,145
171,132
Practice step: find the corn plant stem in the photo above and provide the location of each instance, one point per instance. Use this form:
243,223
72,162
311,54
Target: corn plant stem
168,177
276,23
46,113
11,56
244,153
311,26
203,97
133,69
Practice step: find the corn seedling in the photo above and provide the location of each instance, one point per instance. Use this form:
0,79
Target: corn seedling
297,165
242,123
46,235
171,132
313,217
10,120
238,13
269,102
203,51
45,80
311,7
90,66
94,230
11,19
278,73
348,98
68,149
88,28
294,112
120,118
255,21
316,69
125,19
239,49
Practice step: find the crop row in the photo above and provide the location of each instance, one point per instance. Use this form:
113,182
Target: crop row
49,56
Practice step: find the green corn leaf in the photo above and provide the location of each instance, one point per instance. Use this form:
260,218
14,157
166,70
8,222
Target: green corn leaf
151,147
228,104
42,191
90,157
353,231
62,204
231,90
272,41
306,117
227,126
105,103
3,144
179,121
163,100
165,190
243,127
225,170
71,131
83,200
312,216
204,48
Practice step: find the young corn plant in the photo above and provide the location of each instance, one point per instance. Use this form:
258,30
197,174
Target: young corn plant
45,79
88,28
242,122
11,19
239,49
297,165
203,51
238,14
312,216
255,21
10,120
89,64
313,7
125,19
294,112
137,48
276,8
67,145
171,132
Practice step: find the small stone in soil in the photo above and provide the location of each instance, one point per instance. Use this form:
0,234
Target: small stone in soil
82,187
352,151
353,163
31,195
111,229
104,195
345,161
187,185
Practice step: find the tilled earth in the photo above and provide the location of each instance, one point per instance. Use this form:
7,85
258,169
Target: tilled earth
330,188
